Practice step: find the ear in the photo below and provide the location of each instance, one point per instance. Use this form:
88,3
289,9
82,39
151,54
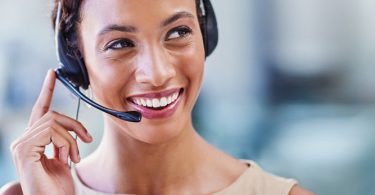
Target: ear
73,66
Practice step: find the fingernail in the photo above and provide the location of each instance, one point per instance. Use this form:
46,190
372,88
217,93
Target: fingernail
88,135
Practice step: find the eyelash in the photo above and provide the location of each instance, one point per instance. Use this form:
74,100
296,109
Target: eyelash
119,44
183,31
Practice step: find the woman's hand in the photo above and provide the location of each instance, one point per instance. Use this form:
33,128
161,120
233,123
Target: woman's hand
38,174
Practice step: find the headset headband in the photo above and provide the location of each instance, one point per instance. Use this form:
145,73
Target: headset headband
74,68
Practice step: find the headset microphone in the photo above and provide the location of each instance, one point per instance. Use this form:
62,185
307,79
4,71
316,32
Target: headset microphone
69,64
72,71
131,116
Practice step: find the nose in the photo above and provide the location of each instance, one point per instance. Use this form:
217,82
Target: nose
154,67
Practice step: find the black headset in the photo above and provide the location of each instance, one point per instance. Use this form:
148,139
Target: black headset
73,74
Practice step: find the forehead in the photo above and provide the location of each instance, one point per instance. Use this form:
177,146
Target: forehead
133,12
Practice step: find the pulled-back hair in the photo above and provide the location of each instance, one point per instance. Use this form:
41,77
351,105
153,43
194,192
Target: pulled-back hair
69,21
71,17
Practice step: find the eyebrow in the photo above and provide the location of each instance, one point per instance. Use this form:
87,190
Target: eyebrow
132,29
115,27
175,17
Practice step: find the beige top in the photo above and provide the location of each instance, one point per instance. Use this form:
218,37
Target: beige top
254,181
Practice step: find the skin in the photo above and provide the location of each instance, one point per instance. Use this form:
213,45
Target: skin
155,156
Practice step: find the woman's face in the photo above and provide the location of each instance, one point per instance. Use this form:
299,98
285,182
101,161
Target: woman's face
144,55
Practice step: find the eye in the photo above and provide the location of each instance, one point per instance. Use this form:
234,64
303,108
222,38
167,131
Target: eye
119,44
179,32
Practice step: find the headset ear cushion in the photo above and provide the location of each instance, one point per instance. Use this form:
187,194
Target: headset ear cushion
211,33
72,66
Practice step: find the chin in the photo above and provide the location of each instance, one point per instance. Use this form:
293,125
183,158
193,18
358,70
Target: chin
151,133
156,131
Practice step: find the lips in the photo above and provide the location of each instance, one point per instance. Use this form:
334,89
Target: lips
157,105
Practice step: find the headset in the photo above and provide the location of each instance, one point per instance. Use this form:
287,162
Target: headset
73,74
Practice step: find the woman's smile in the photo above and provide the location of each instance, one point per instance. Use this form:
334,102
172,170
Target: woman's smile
158,66
143,55
157,104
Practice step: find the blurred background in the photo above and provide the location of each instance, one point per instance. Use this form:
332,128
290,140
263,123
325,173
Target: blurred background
290,86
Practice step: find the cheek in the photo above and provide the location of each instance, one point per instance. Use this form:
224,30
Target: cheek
194,67
192,61
194,74
106,76
107,80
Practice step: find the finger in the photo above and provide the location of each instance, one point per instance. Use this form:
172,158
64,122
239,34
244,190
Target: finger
54,136
73,146
34,131
32,148
68,123
63,147
63,155
43,102
55,152
60,131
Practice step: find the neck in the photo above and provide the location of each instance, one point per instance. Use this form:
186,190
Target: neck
141,164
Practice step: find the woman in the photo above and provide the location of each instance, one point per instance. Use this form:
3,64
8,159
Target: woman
148,56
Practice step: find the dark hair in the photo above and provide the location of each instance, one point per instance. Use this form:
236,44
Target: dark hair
71,17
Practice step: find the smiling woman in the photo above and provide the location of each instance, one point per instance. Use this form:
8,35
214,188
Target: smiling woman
141,55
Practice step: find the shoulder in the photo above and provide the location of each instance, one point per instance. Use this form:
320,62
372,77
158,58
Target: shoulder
298,190
274,184
12,188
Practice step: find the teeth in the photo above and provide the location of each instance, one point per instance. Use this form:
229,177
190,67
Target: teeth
169,100
156,102
149,103
174,97
163,101
143,102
